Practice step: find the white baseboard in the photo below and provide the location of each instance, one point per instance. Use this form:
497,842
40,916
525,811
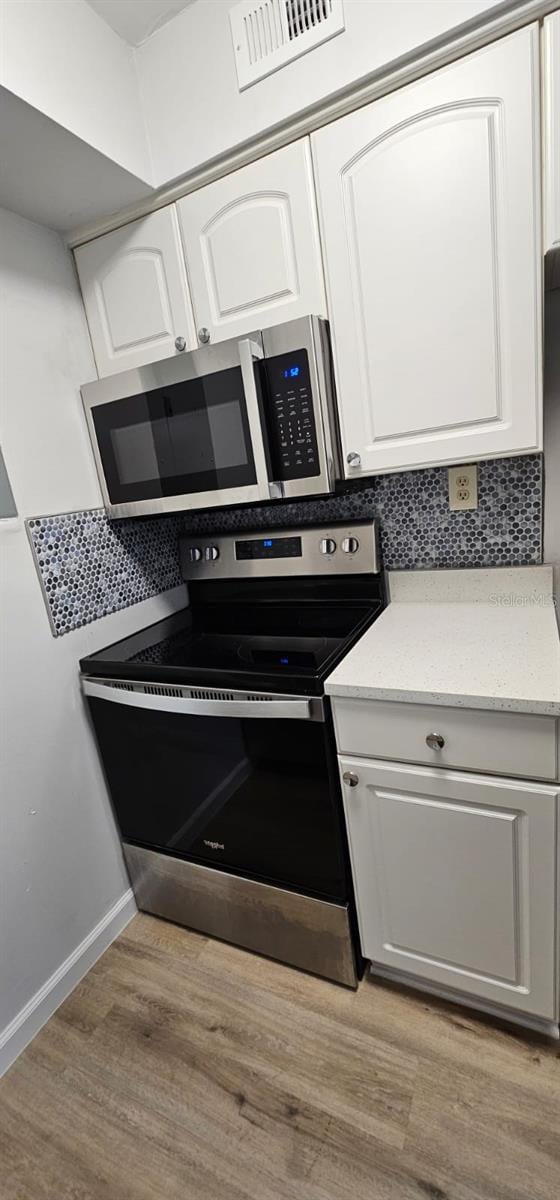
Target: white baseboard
22,1029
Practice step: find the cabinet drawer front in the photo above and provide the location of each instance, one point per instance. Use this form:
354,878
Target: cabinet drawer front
501,743
455,879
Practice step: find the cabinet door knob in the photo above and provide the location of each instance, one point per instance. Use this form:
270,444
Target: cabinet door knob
351,778
180,343
204,335
435,741
353,459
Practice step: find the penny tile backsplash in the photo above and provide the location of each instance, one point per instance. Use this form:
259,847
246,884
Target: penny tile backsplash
90,567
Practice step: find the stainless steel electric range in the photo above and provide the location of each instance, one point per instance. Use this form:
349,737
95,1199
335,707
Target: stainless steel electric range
218,748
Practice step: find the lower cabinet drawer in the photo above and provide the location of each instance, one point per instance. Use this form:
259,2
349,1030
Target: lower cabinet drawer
497,742
455,879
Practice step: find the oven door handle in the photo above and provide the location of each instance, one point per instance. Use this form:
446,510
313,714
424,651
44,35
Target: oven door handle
249,353
298,710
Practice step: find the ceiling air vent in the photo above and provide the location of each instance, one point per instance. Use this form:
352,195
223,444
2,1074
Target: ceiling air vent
269,34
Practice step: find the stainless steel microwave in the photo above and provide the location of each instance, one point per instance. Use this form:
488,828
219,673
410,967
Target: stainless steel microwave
242,421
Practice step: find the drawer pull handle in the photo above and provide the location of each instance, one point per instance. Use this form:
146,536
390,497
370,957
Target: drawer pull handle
435,741
351,778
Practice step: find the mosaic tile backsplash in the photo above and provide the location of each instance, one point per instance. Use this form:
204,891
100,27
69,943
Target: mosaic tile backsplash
90,567
416,526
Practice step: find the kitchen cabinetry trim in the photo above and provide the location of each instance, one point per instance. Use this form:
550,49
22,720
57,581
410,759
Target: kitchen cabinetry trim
551,131
477,33
455,996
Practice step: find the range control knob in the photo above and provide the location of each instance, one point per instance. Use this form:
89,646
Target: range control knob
350,545
327,545
194,554
211,553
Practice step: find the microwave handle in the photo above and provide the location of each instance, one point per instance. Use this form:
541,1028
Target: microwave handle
248,352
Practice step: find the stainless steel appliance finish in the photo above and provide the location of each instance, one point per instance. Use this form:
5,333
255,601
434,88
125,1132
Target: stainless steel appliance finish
218,744
181,700
308,335
323,549
301,930
312,334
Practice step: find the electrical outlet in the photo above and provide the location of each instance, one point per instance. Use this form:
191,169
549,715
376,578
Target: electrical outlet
463,487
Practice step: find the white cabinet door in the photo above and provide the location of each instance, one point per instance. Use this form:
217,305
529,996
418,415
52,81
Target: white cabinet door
551,53
134,285
429,208
455,879
252,246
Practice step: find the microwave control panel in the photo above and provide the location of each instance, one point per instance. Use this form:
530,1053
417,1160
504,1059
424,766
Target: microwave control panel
290,417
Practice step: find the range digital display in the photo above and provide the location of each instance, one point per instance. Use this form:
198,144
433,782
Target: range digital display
265,548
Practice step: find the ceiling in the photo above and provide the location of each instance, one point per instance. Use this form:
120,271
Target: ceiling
136,20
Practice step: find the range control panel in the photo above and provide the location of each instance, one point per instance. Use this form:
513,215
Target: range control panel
290,417
319,550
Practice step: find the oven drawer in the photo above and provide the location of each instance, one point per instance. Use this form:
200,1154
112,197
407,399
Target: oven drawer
314,935
497,742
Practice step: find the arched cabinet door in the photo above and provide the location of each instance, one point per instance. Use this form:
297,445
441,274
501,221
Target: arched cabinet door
135,291
252,246
429,210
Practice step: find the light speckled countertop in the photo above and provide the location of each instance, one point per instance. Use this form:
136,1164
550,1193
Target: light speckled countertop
472,639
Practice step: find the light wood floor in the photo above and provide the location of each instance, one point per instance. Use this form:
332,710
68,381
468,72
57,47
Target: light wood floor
184,1068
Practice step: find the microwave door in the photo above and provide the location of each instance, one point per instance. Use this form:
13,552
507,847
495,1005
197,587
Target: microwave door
181,433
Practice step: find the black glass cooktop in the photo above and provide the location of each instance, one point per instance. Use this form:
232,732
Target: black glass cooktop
276,646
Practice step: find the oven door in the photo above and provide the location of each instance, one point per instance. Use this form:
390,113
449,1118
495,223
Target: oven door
248,786
182,433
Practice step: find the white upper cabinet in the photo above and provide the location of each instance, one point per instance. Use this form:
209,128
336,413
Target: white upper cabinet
134,285
252,246
551,52
429,208
455,879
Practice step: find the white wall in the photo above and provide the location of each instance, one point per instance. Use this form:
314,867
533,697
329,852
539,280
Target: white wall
61,870
62,58
192,106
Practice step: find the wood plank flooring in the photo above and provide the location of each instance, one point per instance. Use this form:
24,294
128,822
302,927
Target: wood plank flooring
185,1069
